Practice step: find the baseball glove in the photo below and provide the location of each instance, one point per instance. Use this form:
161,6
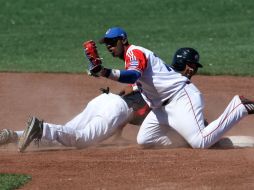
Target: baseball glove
95,64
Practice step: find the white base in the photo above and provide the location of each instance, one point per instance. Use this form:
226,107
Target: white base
235,142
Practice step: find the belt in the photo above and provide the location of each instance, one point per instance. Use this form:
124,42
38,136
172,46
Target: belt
167,101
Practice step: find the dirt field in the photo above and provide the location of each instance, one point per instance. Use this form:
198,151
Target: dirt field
56,98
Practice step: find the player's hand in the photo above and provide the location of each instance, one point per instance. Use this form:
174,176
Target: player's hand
95,63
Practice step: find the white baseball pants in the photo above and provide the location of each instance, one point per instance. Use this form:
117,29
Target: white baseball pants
99,120
185,115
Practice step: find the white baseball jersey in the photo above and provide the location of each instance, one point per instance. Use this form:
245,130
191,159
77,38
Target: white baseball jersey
184,109
98,121
158,82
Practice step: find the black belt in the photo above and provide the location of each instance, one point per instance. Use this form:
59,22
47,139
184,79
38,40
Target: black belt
169,99
165,102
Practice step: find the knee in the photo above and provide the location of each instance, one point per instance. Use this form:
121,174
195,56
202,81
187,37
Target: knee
141,140
149,142
144,141
199,144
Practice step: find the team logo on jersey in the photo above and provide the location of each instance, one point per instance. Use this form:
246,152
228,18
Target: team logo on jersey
133,59
131,55
133,63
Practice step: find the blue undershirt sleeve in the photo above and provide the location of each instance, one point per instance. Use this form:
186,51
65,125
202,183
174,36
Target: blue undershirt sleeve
129,76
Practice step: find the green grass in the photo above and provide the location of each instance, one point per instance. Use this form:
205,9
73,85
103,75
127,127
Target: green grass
46,36
12,181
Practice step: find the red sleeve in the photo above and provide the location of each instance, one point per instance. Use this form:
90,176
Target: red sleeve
135,60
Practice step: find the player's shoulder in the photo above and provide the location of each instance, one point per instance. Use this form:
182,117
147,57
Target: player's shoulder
131,49
135,50
135,47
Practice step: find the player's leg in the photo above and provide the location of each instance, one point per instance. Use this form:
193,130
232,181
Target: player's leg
181,114
75,133
233,113
151,133
84,125
8,136
48,132
154,135
101,118
95,130
52,132
188,118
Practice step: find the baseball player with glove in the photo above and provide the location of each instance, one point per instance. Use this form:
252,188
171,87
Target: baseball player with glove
188,66
168,94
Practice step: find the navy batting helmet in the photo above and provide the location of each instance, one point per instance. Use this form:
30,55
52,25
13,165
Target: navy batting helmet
184,56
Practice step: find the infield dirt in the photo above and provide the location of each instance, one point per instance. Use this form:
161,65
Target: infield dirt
56,98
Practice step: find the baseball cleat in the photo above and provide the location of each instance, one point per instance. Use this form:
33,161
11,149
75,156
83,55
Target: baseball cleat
32,132
8,136
249,104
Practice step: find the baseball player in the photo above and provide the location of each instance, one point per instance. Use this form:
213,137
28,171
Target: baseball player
188,67
92,125
167,92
